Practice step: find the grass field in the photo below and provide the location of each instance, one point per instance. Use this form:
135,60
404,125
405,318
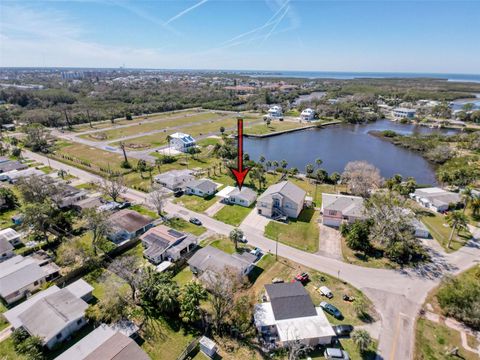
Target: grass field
196,203
358,258
302,233
275,126
233,214
183,225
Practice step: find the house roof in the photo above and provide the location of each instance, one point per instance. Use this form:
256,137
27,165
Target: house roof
174,176
289,300
185,138
129,220
80,288
104,343
89,202
17,174
18,272
5,246
213,259
160,238
8,234
347,205
285,188
205,185
438,196
246,194
7,166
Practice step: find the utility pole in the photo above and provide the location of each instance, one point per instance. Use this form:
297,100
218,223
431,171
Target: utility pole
276,250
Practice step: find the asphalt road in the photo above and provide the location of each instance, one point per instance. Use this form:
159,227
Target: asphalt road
397,294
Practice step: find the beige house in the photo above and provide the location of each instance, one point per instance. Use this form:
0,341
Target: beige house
339,208
281,201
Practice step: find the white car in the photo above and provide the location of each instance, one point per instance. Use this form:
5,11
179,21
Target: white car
325,291
336,354
257,252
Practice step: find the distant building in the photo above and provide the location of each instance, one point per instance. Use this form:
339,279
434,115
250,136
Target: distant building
163,243
105,343
275,112
339,208
436,198
127,224
404,113
12,165
308,114
175,180
289,315
53,314
201,187
282,200
15,175
182,142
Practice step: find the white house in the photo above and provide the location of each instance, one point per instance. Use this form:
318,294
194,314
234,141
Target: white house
53,314
402,113
232,195
6,250
338,208
175,180
182,142
282,200
201,187
436,198
275,112
11,236
289,315
308,114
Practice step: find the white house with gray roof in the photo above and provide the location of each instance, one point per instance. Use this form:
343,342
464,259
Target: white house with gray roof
6,250
339,208
201,187
436,199
175,180
182,142
53,314
282,200
20,276
11,236
232,195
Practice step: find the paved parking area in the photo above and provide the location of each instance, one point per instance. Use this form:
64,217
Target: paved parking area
255,221
330,242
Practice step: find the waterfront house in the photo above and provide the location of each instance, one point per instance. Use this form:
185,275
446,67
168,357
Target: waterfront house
339,208
175,180
182,142
436,199
201,187
281,201
212,260
403,113
232,195
163,243
107,343
127,224
20,276
53,314
289,315
308,114
275,112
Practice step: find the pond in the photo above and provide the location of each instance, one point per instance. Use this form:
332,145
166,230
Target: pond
338,144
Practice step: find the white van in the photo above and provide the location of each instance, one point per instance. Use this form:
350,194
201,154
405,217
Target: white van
325,291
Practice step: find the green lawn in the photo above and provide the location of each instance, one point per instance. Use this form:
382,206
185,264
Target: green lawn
315,191
224,244
6,218
7,352
275,126
233,214
374,260
433,341
184,276
440,231
197,203
185,226
302,233
349,346
145,211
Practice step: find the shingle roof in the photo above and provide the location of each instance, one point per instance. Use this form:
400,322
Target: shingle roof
246,194
285,188
347,205
129,220
18,272
213,259
5,246
12,165
8,234
205,185
290,300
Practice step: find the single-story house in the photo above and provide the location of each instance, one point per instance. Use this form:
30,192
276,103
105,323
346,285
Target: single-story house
105,343
211,259
182,142
127,224
53,314
436,198
401,113
12,165
175,180
201,187
338,208
88,203
289,315
282,200
15,175
163,243
6,250
232,195
11,236
275,112
8,127
308,114
69,195
20,276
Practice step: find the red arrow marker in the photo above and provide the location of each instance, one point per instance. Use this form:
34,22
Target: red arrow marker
240,173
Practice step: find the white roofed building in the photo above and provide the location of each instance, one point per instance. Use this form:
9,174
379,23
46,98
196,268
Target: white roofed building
308,114
182,142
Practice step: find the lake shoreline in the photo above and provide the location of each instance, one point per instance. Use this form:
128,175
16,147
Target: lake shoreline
277,133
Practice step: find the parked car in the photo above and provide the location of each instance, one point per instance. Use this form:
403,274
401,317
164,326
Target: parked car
348,298
277,281
325,291
302,277
257,252
178,193
243,239
343,330
195,221
336,354
124,205
332,310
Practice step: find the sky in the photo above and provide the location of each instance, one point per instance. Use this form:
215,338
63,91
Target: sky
379,36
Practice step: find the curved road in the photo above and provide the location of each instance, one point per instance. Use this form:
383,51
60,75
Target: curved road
396,294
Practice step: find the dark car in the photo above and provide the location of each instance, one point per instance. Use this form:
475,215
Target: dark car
195,221
124,205
332,310
343,330
302,277
178,193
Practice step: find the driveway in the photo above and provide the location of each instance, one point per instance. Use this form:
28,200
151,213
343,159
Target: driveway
255,221
330,242
216,207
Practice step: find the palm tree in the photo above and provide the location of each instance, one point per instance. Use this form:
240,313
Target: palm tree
268,165
192,295
236,235
158,163
457,221
169,139
319,162
309,169
262,159
166,297
362,339
467,196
